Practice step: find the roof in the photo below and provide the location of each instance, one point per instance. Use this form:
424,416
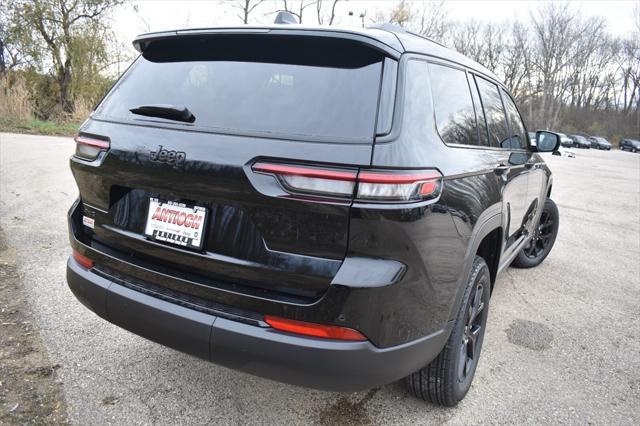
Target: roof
391,39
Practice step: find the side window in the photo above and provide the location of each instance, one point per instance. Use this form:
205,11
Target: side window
494,113
387,96
416,107
483,133
518,136
455,116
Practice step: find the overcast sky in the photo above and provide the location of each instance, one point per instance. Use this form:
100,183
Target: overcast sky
157,15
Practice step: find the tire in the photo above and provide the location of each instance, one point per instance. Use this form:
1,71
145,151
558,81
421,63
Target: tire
543,239
447,379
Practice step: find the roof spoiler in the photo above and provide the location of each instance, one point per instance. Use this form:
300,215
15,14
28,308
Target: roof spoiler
390,45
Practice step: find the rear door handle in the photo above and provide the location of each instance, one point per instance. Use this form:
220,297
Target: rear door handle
501,169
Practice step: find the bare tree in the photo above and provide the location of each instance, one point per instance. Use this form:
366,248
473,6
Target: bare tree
555,29
433,20
321,13
245,8
402,14
297,8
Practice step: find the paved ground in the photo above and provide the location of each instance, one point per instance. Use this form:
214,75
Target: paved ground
563,343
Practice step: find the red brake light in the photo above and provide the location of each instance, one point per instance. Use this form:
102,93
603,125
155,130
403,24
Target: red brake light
311,180
84,261
397,178
372,185
89,148
315,330
312,172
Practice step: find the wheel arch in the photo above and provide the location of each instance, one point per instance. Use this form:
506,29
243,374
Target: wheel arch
486,236
489,249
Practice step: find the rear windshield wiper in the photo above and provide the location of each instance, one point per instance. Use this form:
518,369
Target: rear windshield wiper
170,112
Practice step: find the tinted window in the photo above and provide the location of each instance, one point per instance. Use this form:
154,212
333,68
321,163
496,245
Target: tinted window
483,133
268,98
387,96
455,116
417,108
494,112
518,138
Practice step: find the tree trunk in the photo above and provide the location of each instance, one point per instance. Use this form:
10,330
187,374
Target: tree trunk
64,83
3,65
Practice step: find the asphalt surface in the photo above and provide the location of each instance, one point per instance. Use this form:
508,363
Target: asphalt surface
562,345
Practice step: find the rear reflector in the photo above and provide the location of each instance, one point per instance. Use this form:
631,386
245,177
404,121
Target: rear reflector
84,261
315,330
89,148
372,185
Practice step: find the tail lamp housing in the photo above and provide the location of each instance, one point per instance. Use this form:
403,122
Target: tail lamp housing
88,148
367,185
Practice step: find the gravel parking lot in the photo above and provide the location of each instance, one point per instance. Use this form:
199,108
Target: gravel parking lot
562,345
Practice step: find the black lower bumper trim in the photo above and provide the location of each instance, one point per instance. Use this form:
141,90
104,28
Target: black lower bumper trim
311,362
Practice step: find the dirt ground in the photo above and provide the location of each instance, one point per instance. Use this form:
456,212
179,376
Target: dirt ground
29,390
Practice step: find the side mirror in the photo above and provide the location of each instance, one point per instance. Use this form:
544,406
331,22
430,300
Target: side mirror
547,141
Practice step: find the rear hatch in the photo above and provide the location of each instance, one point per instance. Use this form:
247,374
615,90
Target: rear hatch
294,99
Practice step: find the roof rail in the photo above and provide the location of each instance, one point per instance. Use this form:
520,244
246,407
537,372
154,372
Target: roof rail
388,26
395,28
285,17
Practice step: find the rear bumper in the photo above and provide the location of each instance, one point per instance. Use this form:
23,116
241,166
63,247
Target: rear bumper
260,350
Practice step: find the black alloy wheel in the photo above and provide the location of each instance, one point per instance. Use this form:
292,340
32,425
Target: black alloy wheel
543,238
473,332
447,379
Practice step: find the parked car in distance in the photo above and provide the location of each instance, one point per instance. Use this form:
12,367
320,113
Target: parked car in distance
565,140
632,145
215,217
580,141
598,142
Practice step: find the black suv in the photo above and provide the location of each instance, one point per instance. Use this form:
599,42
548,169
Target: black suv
329,208
598,142
580,141
630,145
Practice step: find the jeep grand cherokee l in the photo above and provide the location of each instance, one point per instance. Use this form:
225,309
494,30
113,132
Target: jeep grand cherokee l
324,207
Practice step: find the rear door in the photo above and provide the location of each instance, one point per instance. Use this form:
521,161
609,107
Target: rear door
512,164
300,101
537,179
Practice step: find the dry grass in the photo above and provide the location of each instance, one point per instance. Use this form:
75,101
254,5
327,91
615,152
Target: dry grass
14,99
81,110
16,111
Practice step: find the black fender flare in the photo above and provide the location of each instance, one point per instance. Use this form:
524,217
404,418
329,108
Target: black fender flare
490,220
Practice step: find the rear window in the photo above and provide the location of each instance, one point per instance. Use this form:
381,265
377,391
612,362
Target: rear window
517,140
494,112
323,91
455,115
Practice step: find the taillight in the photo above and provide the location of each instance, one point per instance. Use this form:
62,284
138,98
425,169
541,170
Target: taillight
311,180
88,148
372,185
84,261
398,186
313,329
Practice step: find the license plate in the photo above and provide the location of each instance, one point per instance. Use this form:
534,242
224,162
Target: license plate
175,223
